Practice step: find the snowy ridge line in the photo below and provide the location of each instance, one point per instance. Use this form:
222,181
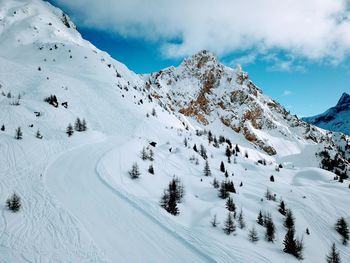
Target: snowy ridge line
100,170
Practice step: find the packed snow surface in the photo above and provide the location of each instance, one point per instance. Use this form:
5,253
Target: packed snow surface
79,203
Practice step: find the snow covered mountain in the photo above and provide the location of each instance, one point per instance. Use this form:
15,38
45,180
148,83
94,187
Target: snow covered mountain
79,202
336,118
218,96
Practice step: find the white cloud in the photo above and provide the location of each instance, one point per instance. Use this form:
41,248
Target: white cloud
244,60
287,93
312,29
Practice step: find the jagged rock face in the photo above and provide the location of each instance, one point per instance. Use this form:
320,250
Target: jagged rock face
205,90
336,118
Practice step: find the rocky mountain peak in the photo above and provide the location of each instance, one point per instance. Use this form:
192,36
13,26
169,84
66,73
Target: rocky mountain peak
344,100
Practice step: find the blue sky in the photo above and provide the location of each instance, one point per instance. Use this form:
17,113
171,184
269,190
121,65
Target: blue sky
305,76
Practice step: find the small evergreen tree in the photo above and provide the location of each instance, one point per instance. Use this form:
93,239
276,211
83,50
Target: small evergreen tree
229,225
69,130
226,174
289,220
210,137
150,155
222,167
144,155
333,256
253,235
206,170
270,229
2,127
223,193
216,183
293,246
241,222
172,205
228,152
172,196
78,125
18,134
282,208
203,152
134,172
272,179
230,205
154,113
185,142
342,228
164,200
237,148
13,203
83,125
195,148
260,219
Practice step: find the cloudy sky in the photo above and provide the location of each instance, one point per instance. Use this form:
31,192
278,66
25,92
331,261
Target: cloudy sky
297,51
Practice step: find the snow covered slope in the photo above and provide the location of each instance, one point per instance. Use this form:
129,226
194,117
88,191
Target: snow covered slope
336,118
79,203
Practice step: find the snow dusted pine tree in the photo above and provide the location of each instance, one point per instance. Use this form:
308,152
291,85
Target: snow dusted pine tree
253,235
18,134
13,203
206,170
230,205
270,229
333,256
241,222
342,228
134,172
69,130
229,225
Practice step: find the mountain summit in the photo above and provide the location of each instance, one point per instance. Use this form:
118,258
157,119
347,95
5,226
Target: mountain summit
336,118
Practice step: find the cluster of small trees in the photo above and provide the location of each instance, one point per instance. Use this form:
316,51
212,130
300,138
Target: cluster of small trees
226,187
292,245
147,154
79,126
267,222
172,196
335,164
52,99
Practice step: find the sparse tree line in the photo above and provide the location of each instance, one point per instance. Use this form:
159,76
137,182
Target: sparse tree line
174,193
79,126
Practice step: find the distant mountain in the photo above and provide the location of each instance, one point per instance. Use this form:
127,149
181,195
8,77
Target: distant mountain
336,118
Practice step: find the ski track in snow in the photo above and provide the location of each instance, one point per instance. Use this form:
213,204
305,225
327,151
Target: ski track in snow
75,188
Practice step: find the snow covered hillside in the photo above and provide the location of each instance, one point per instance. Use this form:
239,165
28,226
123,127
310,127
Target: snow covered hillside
111,166
336,118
